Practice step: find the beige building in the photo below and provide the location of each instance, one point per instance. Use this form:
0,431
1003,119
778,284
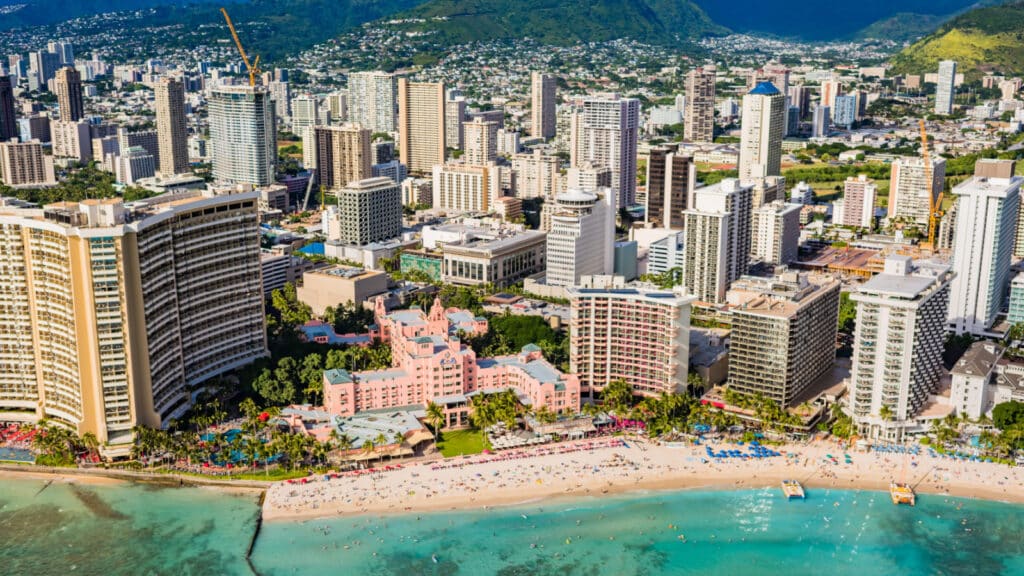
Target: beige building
171,129
113,314
543,94
340,285
480,141
466,188
775,234
343,155
537,175
783,334
68,86
421,125
24,164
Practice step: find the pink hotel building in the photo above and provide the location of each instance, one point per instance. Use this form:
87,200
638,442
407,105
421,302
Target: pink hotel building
430,364
640,336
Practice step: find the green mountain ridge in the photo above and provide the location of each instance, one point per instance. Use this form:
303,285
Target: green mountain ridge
561,22
981,41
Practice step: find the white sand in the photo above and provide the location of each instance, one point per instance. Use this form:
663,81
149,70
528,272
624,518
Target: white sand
642,466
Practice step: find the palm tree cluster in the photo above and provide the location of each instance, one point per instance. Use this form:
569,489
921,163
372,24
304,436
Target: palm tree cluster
58,446
489,409
771,415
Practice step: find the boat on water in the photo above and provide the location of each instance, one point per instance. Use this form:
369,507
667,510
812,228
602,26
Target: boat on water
793,489
902,493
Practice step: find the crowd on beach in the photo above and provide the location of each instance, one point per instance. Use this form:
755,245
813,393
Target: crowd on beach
613,465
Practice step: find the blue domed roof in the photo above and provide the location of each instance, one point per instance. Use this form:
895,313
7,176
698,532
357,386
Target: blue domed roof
765,89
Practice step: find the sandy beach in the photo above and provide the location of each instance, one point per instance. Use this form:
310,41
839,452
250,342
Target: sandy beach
607,466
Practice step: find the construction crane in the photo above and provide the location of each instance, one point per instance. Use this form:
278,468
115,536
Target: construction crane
254,66
934,201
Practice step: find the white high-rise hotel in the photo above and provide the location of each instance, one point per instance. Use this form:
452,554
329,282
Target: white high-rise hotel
243,135
608,137
898,343
986,222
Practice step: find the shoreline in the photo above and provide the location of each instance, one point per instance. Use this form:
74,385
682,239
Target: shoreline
105,477
617,471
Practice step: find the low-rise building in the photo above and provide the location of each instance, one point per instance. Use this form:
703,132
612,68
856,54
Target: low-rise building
339,285
498,259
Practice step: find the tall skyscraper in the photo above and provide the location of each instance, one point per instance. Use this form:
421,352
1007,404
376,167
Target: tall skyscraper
636,335
243,135
68,85
343,155
370,211
8,118
829,91
717,241
609,137
800,97
64,50
281,96
763,124
115,315
421,125
455,118
543,101
845,112
43,67
481,141
783,334
910,190
820,121
897,345
671,178
699,116
857,206
306,115
581,241
945,88
171,129
373,100
983,243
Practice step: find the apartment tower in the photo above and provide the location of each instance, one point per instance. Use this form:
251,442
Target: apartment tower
171,129
421,125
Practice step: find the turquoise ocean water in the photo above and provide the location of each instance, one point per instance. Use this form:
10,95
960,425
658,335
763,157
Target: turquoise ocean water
145,530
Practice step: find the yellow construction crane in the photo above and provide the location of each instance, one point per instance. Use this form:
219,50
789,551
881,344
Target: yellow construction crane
254,67
934,201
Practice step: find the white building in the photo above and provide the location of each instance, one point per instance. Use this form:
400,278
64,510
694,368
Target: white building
983,245
306,115
582,237
776,233
802,193
373,100
945,88
243,135
982,379
911,191
717,239
537,175
820,121
898,344
609,137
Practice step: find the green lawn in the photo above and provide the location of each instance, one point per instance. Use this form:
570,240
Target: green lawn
460,442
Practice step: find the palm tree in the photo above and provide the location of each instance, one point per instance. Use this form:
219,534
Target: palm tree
435,417
399,440
368,447
885,413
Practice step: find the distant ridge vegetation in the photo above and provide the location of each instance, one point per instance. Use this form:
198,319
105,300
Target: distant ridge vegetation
984,40
562,22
